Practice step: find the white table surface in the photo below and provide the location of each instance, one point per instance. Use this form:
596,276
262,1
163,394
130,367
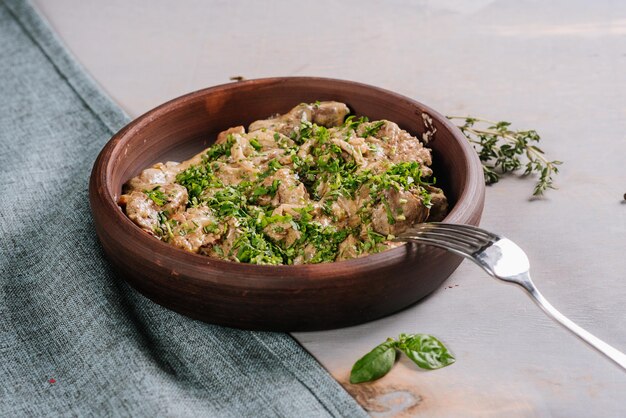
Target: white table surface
558,67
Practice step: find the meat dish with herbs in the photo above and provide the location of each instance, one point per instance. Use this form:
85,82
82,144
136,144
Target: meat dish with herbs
313,185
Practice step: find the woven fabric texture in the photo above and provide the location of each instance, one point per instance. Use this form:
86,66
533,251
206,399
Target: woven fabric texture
75,340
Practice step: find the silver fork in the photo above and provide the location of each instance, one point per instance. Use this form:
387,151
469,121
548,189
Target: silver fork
504,260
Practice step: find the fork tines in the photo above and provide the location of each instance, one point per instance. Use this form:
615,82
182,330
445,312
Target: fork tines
464,239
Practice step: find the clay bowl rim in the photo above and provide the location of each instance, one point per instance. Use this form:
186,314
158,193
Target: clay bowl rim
102,195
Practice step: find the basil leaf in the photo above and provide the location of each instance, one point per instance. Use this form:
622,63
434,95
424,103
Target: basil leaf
374,364
426,351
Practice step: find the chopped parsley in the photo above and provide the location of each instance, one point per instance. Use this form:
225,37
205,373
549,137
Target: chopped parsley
157,196
329,171
255,144
373,129
218,150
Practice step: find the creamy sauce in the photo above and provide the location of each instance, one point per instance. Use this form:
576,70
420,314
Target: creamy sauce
310,186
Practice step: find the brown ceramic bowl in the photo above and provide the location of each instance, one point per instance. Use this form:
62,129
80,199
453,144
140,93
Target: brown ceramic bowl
285,298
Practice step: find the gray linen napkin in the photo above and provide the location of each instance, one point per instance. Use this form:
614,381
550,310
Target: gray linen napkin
74,339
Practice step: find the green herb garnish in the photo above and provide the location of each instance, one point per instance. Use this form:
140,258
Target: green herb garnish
157,196
502,150
373,129
352,123
263,190
328,172
255,144
424,350
218,150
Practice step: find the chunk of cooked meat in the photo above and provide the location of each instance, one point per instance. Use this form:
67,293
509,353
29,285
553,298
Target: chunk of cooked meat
157,174
397,211
223,136
348,249
282,231
326,114
329,114
290,190
143,207
401,146
140,209
439,202
195,228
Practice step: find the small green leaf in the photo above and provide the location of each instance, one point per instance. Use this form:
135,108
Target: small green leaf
374,364
425,350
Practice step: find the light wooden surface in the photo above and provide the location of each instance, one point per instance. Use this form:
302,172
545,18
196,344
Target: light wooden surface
558,67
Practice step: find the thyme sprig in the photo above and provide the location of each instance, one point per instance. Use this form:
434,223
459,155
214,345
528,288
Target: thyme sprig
502,150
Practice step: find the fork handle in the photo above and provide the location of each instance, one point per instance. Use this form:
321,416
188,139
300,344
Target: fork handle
611,352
